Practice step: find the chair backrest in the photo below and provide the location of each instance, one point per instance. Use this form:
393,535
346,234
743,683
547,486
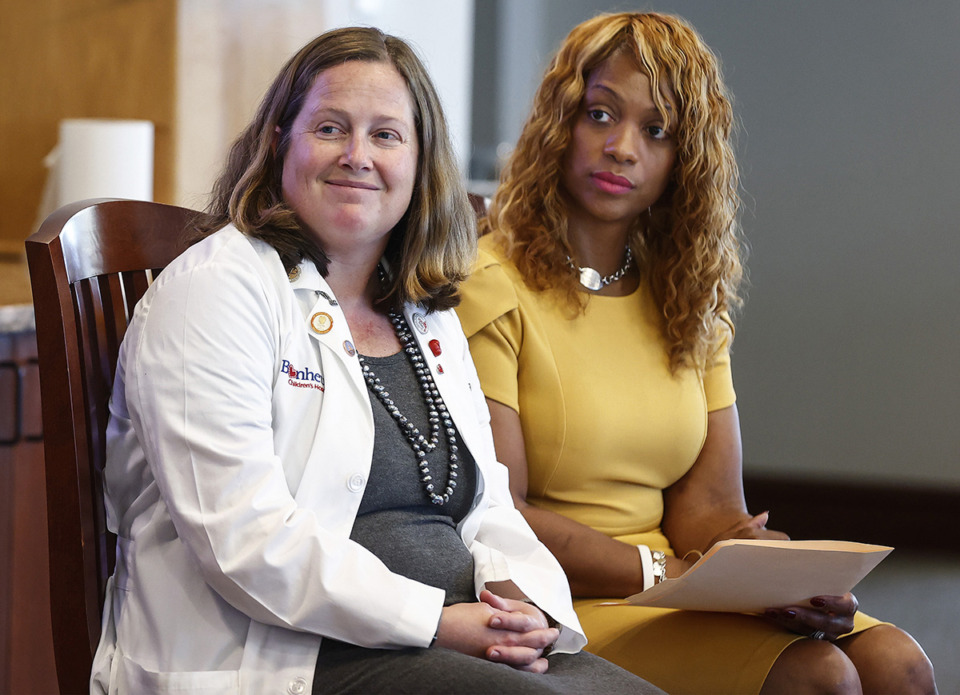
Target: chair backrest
89,264
478,203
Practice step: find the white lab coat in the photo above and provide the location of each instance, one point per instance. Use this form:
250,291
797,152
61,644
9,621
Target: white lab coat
239,447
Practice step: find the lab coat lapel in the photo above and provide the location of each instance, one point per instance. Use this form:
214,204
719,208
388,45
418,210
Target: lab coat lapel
327,325
339,460
444,366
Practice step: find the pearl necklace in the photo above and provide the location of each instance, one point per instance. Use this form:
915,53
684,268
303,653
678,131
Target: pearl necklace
592,280
437,412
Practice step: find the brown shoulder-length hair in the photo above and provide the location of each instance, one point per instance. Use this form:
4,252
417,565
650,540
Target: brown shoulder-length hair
432,247
689,246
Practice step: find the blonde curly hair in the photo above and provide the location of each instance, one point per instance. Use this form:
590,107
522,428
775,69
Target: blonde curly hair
689,246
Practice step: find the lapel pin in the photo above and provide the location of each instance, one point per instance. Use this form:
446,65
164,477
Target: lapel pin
321,322
331,300
420,322
294,273
435,347
348,348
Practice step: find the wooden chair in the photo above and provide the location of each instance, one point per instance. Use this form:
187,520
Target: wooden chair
89,264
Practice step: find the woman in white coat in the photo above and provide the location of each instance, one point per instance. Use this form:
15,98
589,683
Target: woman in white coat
300,468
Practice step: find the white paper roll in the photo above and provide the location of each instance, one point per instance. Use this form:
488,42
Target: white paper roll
104,158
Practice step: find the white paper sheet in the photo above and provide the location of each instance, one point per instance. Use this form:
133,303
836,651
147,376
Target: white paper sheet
749,576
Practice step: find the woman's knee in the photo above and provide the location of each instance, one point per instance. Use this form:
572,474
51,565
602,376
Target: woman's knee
889,660
810,666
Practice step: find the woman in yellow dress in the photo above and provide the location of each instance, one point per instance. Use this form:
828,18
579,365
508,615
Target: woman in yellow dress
598,317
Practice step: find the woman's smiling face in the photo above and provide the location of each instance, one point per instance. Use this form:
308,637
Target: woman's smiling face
350,167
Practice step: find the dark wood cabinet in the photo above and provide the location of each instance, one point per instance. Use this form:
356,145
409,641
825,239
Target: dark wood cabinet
26,649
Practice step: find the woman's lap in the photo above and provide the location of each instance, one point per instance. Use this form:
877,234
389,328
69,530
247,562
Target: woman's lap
347,669
688,651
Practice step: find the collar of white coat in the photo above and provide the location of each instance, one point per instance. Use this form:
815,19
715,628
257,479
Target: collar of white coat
306,278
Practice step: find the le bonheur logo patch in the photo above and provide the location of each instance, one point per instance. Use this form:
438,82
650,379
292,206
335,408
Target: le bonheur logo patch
302,378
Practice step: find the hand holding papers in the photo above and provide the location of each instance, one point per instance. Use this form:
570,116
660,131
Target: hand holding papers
749,576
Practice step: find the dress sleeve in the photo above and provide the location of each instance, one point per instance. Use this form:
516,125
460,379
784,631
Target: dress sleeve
718,376
490,315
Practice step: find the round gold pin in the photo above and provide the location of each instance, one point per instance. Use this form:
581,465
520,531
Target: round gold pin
321,322
294,273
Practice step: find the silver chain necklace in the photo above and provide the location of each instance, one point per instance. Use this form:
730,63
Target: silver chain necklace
592,280
436,408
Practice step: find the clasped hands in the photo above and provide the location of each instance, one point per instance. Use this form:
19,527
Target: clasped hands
507,631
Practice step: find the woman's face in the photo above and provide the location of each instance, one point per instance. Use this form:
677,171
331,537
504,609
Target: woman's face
620,155
350,167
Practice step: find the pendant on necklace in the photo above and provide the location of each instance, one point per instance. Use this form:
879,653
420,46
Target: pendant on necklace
590,279
593,281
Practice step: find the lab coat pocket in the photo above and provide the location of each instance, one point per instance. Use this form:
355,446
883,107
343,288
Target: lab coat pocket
136,679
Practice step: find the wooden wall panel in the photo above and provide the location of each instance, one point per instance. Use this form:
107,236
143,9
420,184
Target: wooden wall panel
79,59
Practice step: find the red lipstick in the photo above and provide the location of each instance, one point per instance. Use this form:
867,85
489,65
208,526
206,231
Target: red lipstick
611,183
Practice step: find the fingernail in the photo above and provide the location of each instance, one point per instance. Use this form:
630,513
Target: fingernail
495,622
494,654
790,614
818,602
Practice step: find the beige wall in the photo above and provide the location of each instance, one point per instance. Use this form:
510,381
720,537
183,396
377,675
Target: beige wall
229,51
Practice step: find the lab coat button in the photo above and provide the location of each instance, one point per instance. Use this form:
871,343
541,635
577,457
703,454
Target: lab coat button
297,686
356,482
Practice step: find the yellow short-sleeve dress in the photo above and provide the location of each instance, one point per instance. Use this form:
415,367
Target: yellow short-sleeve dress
607,427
